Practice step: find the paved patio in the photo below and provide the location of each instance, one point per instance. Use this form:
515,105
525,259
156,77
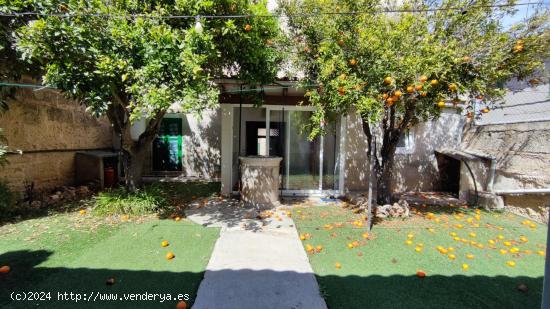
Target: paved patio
258,261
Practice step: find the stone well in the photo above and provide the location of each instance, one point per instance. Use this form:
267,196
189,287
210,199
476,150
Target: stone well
260,180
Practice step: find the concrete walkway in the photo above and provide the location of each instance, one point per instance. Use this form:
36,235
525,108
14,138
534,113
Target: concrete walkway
255,263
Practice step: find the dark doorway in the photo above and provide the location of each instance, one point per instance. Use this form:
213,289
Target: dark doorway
167,147
256,138
449,174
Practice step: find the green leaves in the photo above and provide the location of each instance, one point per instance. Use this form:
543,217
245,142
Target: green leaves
404,47
146,63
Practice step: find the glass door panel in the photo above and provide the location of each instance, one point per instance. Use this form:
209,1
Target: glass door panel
302,155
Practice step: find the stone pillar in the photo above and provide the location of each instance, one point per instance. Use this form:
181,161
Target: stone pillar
227,149
260,180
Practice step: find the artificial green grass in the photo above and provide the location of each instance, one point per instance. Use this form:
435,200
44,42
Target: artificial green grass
78,253
381,271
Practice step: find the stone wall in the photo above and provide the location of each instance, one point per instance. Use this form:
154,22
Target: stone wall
49,129
522,152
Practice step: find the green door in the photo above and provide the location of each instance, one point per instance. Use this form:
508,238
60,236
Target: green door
167,147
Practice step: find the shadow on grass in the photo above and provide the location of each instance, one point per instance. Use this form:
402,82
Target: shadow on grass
344,291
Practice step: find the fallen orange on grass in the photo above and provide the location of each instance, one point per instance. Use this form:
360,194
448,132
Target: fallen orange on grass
452,256
365,235
465,266
420,274
181,305
82,212
164,243
170,255
177,219
507,243
472,234
319,248
511,263
338,265
5,269
469,256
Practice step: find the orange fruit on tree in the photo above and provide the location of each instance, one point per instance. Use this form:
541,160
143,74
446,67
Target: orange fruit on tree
5,269
453,87
388,80
390,101
518,48
398,93
247,27
441,104
353,61
410,89
466,59
341,42
423,78
341,90
181,305
164,243
423,94
418,87
170,255
434,82
385,96
342,76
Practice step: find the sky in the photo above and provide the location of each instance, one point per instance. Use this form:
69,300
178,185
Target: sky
523,12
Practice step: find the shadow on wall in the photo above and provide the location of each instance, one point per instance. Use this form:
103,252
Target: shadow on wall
517,157
202,144
418,169
340,291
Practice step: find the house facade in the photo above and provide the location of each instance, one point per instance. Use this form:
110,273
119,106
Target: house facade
333,164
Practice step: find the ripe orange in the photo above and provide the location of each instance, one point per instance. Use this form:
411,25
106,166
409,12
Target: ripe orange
441,104
410,89
341,42
485,110
247,27
170,255
353,62
5,269
390,101
453,87
434,82
518,48
418,87
342,76
338,265
423,78
388,80
398,93
420,274
385,96
177,219
466,59
341,90
181,305
164,243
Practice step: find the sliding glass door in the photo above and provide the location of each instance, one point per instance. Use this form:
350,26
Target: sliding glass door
309,166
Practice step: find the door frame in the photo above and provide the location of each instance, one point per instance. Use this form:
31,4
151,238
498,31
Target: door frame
227,150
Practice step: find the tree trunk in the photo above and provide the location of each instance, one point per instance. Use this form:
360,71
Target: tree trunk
133,168
383,161
134,152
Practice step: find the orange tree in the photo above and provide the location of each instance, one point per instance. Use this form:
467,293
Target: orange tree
399,69
133,59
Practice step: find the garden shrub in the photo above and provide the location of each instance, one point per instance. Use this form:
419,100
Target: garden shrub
119,201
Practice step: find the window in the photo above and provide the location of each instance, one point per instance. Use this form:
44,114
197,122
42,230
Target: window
406,143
